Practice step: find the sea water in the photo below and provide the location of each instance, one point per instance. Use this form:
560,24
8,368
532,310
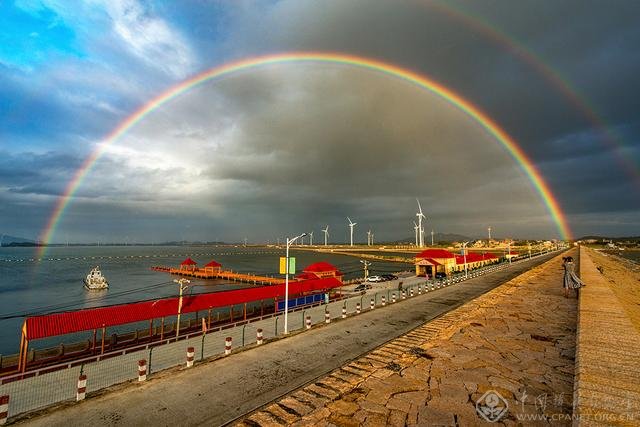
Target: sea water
54,283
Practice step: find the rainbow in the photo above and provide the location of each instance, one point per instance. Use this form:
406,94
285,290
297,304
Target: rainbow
552,77
313,57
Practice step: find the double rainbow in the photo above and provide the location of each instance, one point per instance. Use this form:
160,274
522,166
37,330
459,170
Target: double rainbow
314,57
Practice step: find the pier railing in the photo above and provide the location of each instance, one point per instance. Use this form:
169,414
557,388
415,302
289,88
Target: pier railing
72,380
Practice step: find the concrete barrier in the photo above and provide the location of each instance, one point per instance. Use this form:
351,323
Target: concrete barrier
607,370
82,387
142,370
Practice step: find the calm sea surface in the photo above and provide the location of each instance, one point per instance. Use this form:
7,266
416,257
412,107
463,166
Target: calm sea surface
55,283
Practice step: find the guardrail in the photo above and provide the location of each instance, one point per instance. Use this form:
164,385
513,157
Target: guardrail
62,382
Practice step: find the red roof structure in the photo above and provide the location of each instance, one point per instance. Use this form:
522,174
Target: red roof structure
429,261
320,267
188,261
213,264
68,322
435,253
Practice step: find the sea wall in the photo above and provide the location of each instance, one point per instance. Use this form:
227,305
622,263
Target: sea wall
607,376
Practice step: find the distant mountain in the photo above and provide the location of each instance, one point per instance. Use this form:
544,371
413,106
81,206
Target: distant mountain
437,237
615,239
6,240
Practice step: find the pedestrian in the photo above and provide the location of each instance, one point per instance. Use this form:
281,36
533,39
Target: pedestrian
571,280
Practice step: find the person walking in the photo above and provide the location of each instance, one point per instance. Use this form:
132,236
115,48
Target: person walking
571,280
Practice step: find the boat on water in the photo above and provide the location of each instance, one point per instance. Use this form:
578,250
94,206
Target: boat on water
95,281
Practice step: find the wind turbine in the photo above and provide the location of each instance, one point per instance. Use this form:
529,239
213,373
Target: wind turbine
351,225
311,238
326,235
372,239
369,237
431,237
415,228
489,233
420,216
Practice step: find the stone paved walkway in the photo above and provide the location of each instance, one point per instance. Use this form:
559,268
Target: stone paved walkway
517,340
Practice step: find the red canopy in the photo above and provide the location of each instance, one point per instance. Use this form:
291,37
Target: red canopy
213,264
188,261
95,318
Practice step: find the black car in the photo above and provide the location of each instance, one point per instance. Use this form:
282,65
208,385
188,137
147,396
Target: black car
389,276
441,275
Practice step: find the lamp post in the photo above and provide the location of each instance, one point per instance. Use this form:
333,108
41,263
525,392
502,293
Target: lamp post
464,254
286,284
366,268
182,282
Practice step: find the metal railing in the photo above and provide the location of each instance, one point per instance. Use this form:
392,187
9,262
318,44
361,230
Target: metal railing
52,384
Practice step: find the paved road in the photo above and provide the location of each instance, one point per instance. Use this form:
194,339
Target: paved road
217,392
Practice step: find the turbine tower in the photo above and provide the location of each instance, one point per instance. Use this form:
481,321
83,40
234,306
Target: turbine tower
311,238
432,237
369,237
351,225
326,235
415,228
420,216
489,233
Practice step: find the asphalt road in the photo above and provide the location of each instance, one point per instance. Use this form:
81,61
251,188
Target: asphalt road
219,391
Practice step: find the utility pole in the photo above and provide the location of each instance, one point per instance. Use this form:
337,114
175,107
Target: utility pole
182,282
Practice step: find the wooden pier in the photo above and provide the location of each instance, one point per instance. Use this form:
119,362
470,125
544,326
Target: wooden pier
205,273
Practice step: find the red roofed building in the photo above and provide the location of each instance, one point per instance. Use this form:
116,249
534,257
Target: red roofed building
213,267
432,261
320,270
188,264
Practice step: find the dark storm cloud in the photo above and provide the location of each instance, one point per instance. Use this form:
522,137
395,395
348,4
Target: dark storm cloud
298,147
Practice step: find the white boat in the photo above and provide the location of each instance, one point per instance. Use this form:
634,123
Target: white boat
95,280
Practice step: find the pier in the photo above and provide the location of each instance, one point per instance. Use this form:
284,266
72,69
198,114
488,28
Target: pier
213,270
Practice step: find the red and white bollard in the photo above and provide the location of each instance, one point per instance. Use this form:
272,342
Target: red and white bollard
227,346
4,409
393,297
308,322
190,354
358,308
82,388
404,294
259,336
384,300
327,317
373,304
411,292
142,370
344,312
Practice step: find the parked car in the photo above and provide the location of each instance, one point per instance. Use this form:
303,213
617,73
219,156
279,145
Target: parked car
362,287
375,279
441,275
389,276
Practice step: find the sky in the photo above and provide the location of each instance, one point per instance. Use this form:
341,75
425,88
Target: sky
278,150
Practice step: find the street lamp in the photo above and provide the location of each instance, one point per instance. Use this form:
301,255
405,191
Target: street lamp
182,282
366,268
464,254
286,284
